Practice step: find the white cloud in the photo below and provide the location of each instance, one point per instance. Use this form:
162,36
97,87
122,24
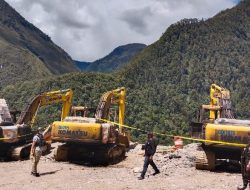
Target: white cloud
89,29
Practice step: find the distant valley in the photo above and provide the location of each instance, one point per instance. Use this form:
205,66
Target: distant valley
119,57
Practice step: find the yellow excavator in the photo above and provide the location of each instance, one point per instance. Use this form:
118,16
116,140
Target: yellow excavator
216,123
15,138
92,139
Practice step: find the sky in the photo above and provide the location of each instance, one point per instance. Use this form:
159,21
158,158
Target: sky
90,29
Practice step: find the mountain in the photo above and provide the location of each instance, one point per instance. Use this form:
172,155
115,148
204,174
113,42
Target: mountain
119,57
27,53
168,81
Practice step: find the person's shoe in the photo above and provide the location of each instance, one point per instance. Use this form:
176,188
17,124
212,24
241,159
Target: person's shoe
241,188
35,174
157,172
140,178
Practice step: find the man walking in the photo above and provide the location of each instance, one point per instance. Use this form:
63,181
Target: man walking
245,166
38,146
150,149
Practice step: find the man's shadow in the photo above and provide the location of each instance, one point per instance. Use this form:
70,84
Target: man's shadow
49,173
92,163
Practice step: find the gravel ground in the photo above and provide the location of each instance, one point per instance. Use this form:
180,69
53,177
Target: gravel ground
177,173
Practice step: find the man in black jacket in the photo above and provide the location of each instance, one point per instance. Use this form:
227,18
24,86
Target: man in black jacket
150,149
245,166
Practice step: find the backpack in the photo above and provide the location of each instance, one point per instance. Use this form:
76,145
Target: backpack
41,142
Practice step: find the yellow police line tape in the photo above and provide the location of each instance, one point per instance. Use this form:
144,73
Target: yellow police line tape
182,137
161,134
1,139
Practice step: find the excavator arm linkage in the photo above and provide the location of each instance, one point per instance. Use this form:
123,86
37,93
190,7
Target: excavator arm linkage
112,97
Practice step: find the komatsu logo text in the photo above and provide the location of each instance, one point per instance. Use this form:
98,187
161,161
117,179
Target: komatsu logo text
231,136
65,130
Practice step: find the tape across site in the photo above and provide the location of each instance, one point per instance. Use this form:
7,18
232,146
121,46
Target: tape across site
182,137
161,134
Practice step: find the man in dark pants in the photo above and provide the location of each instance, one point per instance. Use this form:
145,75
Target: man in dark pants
150,149
245,166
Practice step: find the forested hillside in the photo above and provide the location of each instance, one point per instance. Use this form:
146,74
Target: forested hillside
170,79
87,88
26,53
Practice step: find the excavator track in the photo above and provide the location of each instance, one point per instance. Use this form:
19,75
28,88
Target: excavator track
61,153
20,152
116,153
109,154
205,160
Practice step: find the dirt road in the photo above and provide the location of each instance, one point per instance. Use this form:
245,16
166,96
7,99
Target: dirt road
62,175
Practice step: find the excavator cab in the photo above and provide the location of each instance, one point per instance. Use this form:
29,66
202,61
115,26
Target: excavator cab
202,116
8,130
15,115
82,111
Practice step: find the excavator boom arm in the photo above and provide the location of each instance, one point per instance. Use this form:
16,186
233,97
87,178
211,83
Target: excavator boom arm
29,114
111,97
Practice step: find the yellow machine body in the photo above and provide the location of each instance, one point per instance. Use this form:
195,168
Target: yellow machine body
17,137
221,126
79,132
227,133
92,137
86,129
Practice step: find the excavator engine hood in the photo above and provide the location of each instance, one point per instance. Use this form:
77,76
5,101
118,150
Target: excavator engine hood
72,131
228,130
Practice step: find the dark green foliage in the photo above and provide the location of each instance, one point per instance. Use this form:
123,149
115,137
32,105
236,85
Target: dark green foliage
171,78
87,87
119,57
